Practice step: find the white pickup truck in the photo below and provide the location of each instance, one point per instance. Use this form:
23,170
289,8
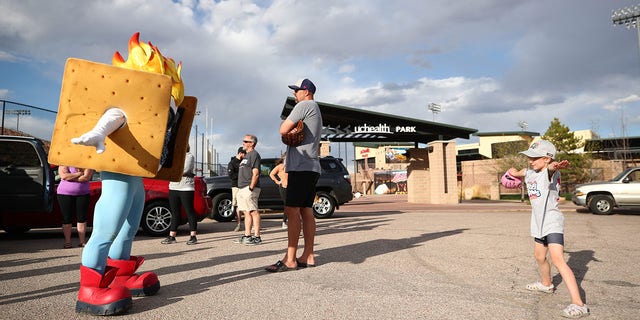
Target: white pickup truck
601,197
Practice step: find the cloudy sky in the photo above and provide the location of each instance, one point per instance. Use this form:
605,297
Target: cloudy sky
489,63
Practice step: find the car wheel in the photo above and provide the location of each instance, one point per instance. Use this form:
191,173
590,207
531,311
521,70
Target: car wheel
325,206
222,210
156,218
601,204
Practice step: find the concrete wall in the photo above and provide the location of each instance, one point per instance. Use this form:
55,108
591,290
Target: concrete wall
431,174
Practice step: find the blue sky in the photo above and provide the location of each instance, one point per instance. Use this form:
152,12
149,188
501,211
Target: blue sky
488,63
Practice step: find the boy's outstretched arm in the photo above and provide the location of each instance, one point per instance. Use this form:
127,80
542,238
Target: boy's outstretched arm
517,173
555,165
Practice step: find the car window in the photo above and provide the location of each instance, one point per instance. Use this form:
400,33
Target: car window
19,154
266,167
331,166
634,176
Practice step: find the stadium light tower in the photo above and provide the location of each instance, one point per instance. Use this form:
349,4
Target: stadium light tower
435,108
523,125
629,16
18,113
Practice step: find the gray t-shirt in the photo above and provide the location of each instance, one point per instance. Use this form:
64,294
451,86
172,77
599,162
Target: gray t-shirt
544,193
305,157
245,172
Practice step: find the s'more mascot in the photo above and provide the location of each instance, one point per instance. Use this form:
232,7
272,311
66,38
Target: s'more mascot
128,121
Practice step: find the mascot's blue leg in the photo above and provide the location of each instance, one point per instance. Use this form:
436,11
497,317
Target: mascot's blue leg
120,203
121,247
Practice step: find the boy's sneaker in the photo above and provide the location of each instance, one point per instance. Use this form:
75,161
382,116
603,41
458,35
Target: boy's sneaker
284,225
168,240
192,240
538,286
243,239
254,241
575,311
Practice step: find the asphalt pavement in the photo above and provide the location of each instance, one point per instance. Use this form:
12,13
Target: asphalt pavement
379,257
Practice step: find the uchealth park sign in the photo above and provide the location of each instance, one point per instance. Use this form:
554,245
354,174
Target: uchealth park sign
383,128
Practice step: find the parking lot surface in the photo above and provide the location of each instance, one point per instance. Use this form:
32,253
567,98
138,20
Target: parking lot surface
379,257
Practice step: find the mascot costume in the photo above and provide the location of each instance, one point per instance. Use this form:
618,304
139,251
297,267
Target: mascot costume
128,121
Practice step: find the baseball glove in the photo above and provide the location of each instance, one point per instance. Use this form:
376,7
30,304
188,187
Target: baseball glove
510,182
294,137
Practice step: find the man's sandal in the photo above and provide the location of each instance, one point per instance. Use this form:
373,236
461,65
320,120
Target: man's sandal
279,267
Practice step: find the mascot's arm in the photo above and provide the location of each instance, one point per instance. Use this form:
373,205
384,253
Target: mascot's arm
112,120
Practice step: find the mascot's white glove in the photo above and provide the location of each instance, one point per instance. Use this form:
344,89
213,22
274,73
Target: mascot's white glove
112,120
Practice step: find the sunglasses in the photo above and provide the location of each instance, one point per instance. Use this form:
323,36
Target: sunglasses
247,141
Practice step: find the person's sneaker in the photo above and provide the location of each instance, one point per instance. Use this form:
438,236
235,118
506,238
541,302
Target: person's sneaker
538,286
254,241
237,228
192,240
242,239
284,225
169,240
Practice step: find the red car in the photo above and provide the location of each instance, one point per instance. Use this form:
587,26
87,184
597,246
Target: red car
156,216
28,200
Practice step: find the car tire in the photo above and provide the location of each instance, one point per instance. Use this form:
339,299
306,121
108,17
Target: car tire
326,205
156,218
222,210
601,204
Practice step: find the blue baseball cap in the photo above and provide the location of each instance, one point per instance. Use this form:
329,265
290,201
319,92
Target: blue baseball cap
303,84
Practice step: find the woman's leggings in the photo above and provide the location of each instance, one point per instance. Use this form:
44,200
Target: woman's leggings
70,205
178,199
116,220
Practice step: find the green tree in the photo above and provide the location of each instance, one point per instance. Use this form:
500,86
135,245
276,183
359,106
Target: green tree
567,145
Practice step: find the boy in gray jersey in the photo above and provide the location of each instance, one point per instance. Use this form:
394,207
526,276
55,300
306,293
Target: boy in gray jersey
547,222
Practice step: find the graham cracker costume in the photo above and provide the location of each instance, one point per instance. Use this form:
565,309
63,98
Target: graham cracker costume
89,89
120,120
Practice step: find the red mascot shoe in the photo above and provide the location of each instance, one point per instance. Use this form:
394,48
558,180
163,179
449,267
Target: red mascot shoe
97,298
146,284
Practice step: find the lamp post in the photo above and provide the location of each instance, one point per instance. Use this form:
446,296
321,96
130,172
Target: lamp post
18,113
629,16
196,143
435,108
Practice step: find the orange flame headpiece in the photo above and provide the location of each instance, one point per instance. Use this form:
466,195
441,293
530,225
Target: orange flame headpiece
147,57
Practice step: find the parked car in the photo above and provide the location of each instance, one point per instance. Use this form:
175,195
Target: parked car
333,189
28,184
156,216
601,197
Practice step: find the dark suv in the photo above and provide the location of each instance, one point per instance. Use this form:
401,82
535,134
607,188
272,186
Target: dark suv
333,189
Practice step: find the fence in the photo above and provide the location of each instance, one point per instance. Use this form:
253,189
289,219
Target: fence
28,120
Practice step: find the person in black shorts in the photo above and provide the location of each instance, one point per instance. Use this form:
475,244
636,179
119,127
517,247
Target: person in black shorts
303,166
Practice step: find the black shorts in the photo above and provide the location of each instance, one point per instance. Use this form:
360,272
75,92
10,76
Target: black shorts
301,189
551,238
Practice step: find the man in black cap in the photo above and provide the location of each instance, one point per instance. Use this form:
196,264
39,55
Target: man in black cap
303,168
232,168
